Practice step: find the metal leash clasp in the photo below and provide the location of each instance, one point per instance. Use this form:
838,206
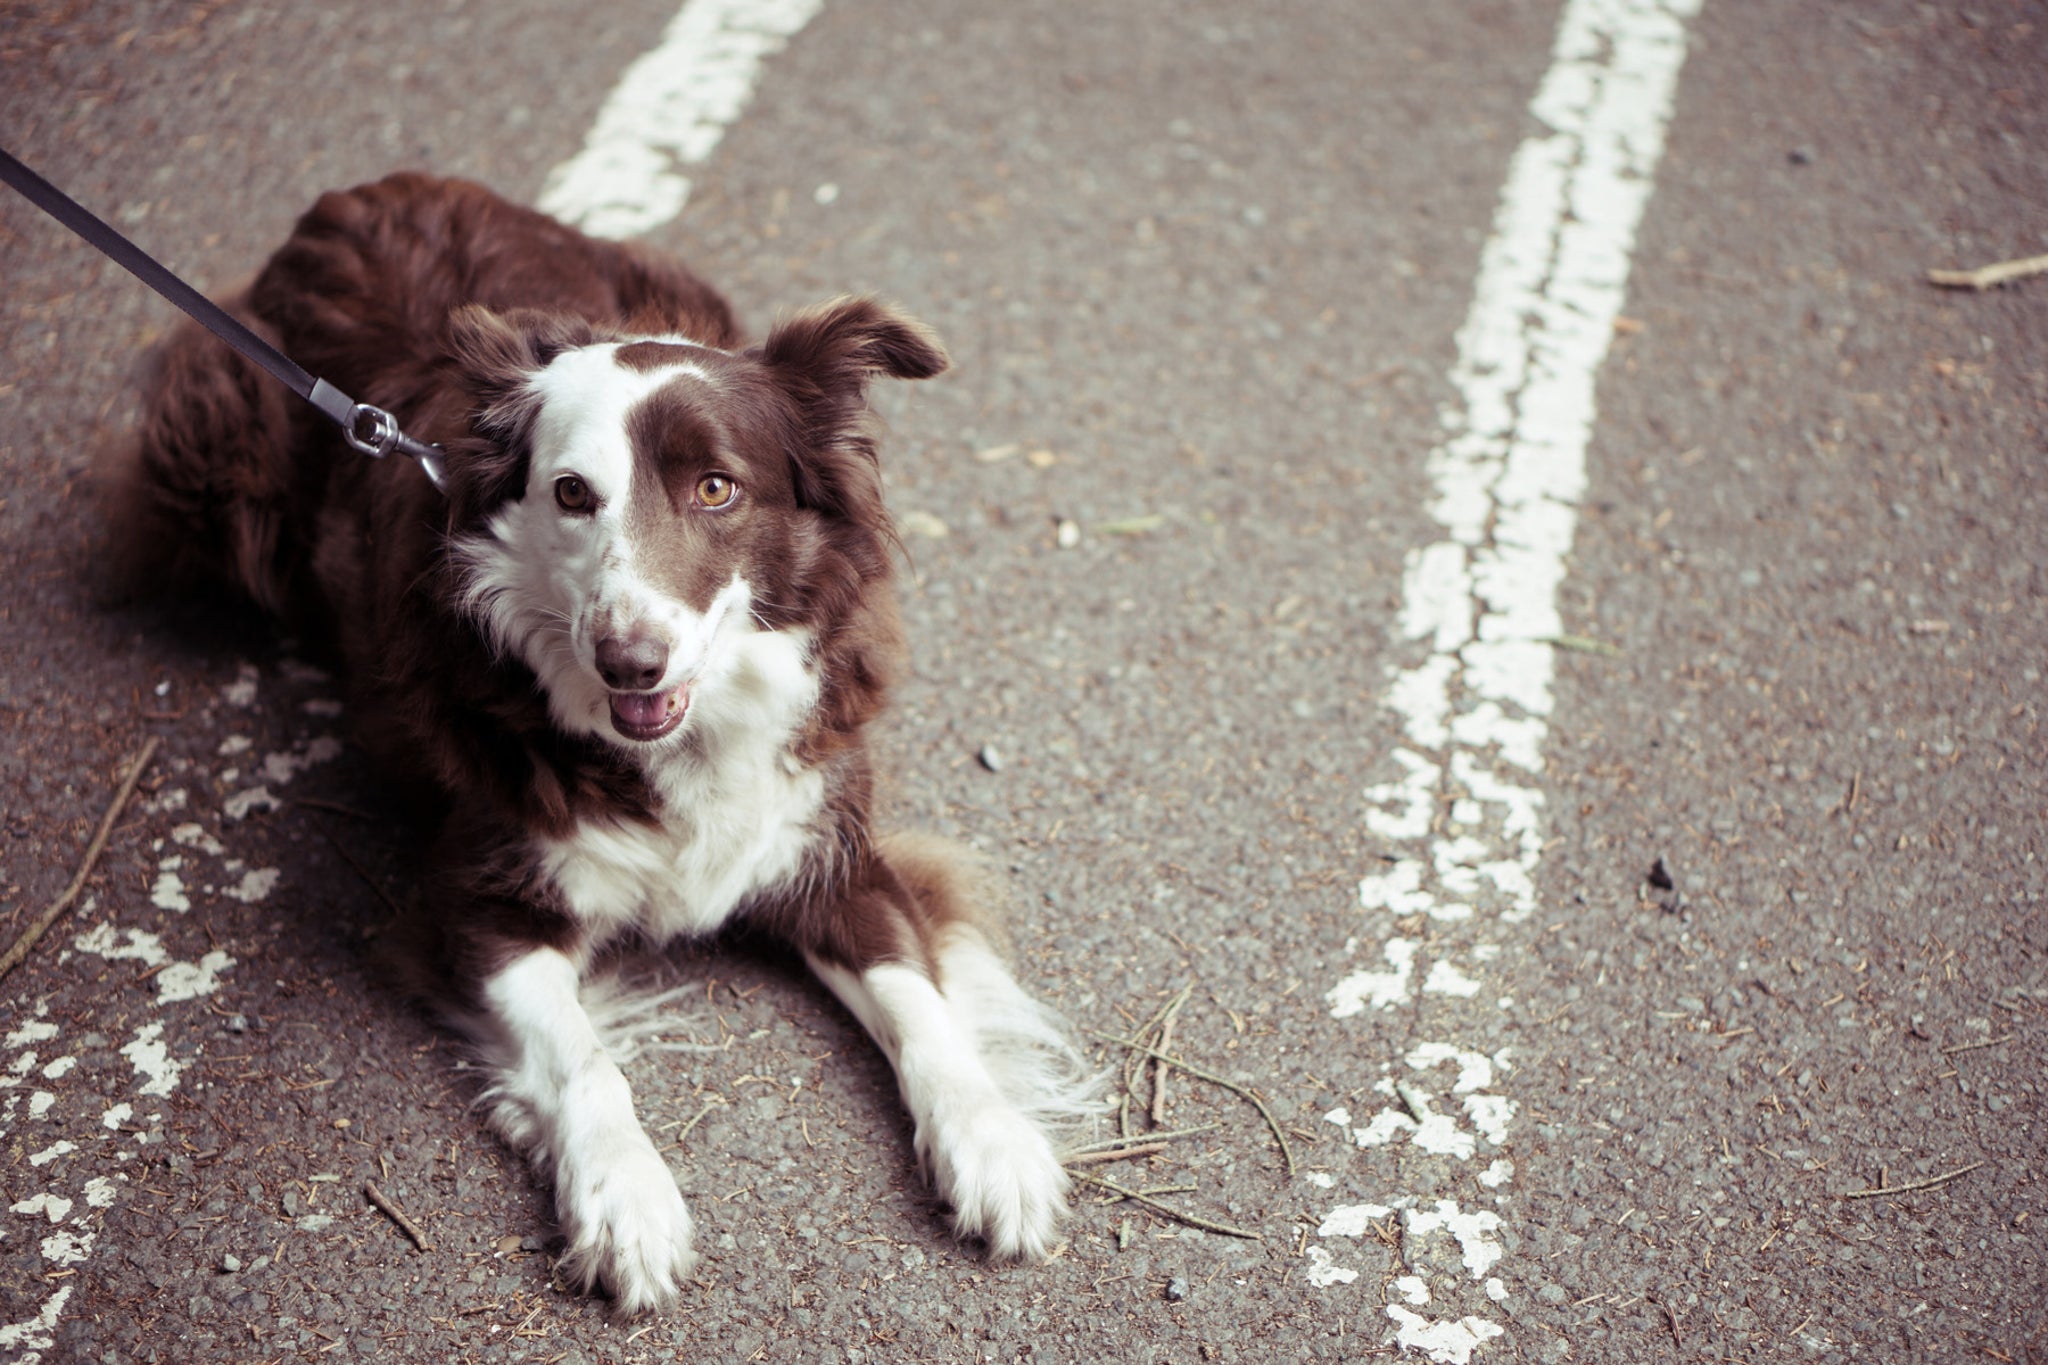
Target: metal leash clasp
376,433
371,430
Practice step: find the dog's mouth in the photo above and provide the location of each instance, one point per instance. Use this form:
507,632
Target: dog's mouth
649,715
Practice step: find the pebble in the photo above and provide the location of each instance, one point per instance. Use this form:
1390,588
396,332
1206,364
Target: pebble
1177,1289
990,759
1068,535
230,1263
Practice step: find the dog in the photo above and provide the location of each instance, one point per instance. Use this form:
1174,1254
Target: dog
625,659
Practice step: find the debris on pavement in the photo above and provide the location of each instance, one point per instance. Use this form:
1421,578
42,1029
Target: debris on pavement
1990,276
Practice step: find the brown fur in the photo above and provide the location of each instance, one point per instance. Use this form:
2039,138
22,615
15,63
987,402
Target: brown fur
435,300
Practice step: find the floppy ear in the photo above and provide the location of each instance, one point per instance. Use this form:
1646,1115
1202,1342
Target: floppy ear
841,345
499,352
496,355
824,358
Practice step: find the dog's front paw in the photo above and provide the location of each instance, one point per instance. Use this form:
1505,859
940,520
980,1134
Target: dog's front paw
628,1228
998,1171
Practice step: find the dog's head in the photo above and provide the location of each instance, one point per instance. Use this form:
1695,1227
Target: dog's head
652,525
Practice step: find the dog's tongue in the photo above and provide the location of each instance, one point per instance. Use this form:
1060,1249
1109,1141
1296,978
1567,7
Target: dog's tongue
648,715
641,710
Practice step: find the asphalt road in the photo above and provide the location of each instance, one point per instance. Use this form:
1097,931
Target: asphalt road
1752,1066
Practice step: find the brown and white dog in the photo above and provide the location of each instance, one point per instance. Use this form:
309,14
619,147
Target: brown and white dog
628,656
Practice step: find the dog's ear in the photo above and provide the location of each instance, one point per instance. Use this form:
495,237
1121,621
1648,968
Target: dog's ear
841,345
824,358
496,355
498,352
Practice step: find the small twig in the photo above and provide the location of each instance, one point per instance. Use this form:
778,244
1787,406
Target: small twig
1171,1212
1147,1032
1972,1047
1580,644
1113,1154
315,803
1108,1143
697,1118
1671,1318
1286,1152
1416,1103
396,1215
35,931
1910,1186
360,870
1989,276
1162,1041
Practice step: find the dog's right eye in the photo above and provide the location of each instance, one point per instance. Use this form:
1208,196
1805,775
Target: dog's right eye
572,494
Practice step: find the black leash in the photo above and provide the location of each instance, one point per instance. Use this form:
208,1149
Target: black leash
371,430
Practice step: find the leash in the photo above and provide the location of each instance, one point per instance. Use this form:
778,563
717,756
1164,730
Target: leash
370,429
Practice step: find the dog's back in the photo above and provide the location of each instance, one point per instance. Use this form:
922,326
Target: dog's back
232,480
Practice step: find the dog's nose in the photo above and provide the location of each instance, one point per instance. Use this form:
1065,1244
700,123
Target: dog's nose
634,664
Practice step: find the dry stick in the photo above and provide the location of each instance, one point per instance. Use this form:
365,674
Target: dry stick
396,1215
1972,1047
1286,1152
1928,1183
696,1119
337,807
1162,1041
93,850
1107,1143
1147,1031
1990,276
1169,1210
1112,1154
360,870
1671,1318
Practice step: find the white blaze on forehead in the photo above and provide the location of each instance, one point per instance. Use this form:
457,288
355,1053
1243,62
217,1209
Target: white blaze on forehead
586,396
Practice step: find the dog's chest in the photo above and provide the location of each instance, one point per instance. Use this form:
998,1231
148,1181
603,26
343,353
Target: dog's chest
727,834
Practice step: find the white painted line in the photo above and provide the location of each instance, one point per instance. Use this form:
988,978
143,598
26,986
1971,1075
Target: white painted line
669,111
1482,601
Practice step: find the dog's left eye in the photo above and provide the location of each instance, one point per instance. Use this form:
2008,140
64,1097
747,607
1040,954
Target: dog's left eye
572,494
715,491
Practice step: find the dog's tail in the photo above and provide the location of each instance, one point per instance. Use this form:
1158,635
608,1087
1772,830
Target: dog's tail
204,491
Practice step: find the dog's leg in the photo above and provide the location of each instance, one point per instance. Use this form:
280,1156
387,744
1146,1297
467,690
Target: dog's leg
561,1098
985,1071
989,1160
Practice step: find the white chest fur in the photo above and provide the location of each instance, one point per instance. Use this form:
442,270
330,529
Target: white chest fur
737,812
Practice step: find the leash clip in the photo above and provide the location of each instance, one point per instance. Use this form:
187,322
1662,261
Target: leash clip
371,430
376,433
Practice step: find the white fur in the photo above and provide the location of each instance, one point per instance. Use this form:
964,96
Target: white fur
1025,1045
737,813
988,1074
547,585
993,1162
561,1099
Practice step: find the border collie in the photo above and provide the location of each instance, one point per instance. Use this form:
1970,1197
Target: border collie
627,660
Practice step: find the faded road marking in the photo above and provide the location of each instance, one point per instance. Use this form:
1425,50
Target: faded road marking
669,111
1479,610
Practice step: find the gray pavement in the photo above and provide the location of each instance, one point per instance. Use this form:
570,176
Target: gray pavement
1202,270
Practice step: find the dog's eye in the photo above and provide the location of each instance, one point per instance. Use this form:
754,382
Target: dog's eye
572,494
715,491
